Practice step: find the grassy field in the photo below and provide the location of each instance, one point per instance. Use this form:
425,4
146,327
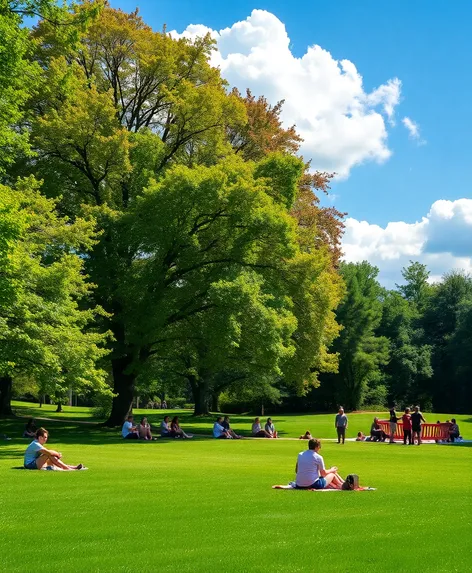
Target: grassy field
206,505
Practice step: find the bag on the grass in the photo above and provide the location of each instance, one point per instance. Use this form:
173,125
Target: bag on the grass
351,483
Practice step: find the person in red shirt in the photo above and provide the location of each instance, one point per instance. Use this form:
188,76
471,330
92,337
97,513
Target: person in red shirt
406,419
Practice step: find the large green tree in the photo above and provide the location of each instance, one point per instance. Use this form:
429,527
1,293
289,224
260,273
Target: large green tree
138,131
361,351
44,330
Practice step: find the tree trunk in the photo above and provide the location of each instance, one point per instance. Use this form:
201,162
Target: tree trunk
59,407
5,396
200,396
123,387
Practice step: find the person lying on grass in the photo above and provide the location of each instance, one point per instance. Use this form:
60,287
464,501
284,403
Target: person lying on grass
227,426
306,436
37,456
129,431
177,430
311,471
257,431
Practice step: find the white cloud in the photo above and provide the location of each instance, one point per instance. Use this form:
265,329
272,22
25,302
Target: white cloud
442,240
342,124
413,130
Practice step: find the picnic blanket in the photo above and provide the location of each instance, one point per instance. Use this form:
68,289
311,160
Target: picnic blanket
292,485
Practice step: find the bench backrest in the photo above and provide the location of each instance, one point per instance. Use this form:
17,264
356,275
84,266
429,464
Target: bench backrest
428,431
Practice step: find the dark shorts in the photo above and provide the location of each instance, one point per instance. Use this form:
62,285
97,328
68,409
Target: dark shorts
320,483
416,429
132,436
31,465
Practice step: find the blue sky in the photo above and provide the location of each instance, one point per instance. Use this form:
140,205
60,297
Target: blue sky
427,46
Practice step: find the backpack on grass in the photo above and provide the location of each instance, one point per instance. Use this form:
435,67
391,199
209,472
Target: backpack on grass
351,483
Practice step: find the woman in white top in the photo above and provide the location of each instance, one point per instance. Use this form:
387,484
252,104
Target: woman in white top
257,431
144,430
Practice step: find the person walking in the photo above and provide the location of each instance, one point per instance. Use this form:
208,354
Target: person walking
340,423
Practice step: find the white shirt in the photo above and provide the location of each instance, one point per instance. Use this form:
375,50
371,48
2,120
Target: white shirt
218,430
309,466
256,428
126,429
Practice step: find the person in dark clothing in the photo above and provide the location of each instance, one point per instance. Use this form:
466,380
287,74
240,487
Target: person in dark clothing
453,430
416,419
393,424
376,432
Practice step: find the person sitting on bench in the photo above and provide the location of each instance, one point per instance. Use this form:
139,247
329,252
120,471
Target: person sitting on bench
37,456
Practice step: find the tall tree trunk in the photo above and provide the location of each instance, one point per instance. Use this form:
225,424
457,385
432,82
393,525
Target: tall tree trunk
201,396
59,407
5,396
123,387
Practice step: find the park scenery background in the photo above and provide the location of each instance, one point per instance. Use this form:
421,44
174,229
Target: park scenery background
167,235
202,505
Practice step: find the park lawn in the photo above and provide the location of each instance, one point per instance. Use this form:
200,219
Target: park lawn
207,505
288,425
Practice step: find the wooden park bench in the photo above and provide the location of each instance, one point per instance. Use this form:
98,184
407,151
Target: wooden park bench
429,432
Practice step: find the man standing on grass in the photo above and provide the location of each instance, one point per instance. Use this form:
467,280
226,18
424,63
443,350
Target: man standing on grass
340,424
311,471
393,423
37,456
416,419
129,431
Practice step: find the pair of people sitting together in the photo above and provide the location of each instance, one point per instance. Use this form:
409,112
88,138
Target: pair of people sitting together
222,429
142,431
269,430
173,429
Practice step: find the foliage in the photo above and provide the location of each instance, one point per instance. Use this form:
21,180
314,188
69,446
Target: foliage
43,327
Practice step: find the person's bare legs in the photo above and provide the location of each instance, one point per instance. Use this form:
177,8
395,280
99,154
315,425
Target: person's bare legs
337,481
45,459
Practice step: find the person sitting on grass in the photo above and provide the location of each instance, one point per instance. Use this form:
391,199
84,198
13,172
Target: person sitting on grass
219,431
37,456
453,430
227,426
30,429
177,430
306,436
270,428
376,432
360,437
144,429
165,428
129,430
311,471
257,431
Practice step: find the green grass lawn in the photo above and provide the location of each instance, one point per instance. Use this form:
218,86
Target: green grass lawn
205,505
